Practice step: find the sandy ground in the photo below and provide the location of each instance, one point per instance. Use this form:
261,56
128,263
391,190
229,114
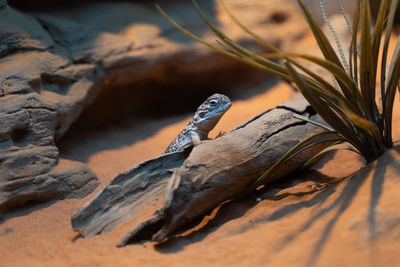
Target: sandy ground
355,222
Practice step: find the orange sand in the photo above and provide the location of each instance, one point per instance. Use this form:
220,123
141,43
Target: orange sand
355,223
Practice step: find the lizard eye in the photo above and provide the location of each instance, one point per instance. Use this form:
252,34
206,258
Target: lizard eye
213,102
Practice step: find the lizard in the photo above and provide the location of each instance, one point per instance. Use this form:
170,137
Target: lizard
204,120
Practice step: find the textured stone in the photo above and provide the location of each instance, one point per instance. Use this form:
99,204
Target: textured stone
29,161
67,180
3,3
21,72
111,59
20,32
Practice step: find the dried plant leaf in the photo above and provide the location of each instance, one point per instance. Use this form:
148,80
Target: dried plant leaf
365,124
315,122
367,78
309,142
393,83
377,38
350,110
323,42
353,50
349,89
247,30
278,70
319,155
388,32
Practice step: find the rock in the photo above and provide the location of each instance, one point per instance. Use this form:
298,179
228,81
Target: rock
84,46
3,3
110,60
21,72
27,140
20,32
69,179
139,54
30,168
62,30
97,48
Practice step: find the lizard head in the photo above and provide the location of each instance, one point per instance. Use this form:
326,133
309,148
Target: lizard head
209,113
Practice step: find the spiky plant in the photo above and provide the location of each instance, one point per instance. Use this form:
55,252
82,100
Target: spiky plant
348,104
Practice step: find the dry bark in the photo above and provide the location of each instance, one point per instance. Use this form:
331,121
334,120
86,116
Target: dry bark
127,192
201,179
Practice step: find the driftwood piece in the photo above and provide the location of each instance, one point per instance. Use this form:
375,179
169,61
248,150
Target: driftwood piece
127,192
213,172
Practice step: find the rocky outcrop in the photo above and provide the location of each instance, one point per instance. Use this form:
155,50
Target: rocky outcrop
30,168
101,62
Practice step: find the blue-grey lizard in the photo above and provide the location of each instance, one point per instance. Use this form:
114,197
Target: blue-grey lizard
204,120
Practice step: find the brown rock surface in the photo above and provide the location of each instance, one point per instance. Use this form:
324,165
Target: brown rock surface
56,62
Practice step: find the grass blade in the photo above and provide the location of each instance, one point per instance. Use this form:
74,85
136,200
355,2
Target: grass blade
244,28
379,27
329,113
275,69
353,51
270,66
336,146
367,79
388,33
349,88
364,124
323,109
322,41
393,82
307,143
315,122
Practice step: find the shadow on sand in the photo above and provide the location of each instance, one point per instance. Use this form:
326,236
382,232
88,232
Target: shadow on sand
343,198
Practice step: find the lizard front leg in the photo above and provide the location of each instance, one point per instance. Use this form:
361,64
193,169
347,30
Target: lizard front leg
196,138
191,138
